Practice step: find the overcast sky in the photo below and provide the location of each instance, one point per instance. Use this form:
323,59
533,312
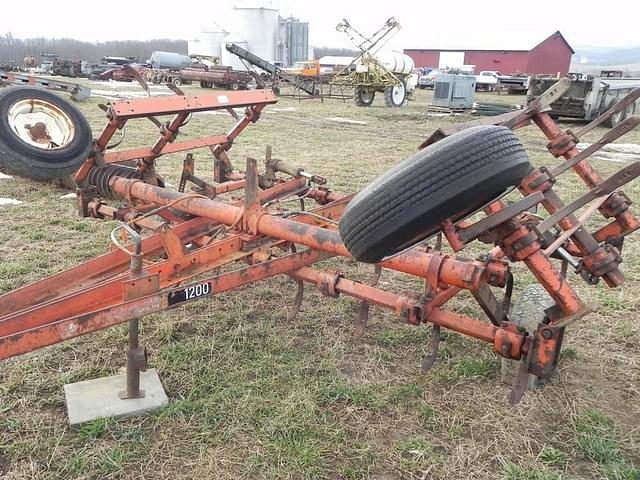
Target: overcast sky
428,23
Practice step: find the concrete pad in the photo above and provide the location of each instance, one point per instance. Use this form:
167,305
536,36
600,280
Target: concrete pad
98,398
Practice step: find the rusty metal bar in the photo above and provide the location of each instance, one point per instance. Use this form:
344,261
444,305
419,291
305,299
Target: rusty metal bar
451,271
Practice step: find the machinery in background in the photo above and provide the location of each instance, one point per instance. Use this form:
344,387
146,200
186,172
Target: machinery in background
369,73
454,92
77,92
589,96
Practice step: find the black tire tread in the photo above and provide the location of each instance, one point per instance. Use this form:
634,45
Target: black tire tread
25,161
442,170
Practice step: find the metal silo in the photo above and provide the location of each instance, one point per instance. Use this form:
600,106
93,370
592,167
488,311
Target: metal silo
208,42
229,59
293,45
259,27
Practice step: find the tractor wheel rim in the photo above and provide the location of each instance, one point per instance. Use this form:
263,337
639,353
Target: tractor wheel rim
397,94
366,96
41,124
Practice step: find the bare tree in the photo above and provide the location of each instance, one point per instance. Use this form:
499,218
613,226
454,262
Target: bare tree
13,50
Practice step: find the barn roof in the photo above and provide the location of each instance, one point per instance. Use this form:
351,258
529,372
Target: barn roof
493,44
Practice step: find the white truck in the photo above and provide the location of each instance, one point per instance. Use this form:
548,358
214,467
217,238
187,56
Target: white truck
589,96
487,80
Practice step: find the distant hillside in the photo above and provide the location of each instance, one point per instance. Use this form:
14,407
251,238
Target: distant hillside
606,56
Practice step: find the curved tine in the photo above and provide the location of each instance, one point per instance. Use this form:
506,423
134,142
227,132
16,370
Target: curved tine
432,350
297,301
114,145
363,315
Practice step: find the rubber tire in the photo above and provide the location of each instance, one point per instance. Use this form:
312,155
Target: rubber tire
235,86
360,100
449,179
19,158
388,96
527,312
177,82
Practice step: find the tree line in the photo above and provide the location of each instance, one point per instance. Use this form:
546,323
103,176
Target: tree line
14,50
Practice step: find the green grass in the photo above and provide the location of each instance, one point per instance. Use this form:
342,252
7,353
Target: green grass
597,439
254,396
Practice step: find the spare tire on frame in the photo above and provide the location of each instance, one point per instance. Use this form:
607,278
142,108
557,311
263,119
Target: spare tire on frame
42,136
450,179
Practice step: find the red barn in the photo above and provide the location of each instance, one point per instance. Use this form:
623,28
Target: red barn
550,56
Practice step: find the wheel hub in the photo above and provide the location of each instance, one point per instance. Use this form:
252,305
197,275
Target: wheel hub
366,95
41,124
397,94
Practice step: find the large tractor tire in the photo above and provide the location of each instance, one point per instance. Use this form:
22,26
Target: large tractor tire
363,97
396,95
42,136
449,179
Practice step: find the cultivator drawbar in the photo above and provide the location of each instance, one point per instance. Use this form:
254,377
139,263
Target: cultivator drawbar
174,247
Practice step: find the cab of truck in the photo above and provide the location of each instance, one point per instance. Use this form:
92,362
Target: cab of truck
306,68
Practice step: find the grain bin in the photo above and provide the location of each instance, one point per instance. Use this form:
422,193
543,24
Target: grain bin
229,59
259,27
208,43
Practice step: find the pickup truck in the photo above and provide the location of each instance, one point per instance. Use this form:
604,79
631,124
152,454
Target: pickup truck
487,80
308,68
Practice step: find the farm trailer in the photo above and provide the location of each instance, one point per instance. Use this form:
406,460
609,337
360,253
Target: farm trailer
172,247
218,76
589,97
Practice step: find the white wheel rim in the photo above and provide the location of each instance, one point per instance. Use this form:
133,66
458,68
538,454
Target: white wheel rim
41,124
397,94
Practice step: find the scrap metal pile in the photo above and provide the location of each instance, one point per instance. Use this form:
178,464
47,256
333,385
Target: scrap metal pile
171,245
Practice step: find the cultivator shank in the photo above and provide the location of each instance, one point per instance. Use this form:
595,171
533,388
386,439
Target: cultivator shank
194,245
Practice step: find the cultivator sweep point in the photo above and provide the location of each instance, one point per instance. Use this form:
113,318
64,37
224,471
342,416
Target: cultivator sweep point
184,247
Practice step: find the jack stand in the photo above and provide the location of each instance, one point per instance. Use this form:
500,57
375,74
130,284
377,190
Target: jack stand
104,397
136,363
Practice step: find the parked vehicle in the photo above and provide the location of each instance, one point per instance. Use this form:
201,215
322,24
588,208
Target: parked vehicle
589,96
428,80
216,76
307,68
487,80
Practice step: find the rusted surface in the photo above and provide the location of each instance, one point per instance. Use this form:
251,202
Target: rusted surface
262,236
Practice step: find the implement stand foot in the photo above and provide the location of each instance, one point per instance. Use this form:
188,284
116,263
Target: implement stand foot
98,398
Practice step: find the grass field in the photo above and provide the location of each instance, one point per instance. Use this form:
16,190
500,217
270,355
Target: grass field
254,396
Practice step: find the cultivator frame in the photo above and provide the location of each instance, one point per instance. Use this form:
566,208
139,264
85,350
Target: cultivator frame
191,241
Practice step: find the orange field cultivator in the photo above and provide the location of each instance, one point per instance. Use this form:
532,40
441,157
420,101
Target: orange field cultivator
173,247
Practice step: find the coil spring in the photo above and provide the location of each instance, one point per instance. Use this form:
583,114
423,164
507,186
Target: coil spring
99,177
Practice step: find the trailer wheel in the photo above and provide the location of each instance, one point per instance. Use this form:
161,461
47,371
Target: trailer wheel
363,97
396,95
42,136
447,180
235,86
177,82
